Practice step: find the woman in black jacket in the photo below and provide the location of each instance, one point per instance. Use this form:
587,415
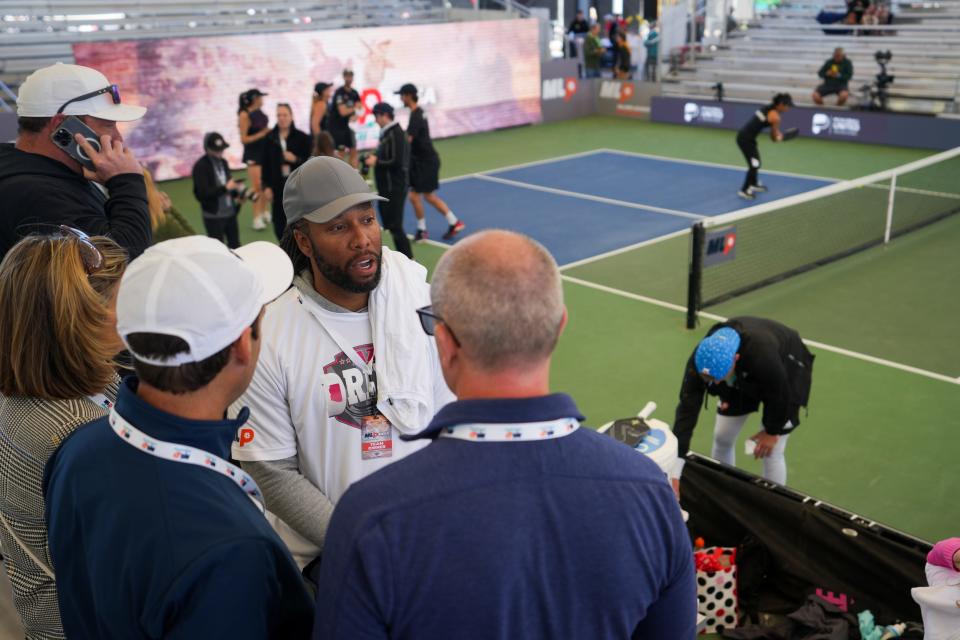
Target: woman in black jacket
286,149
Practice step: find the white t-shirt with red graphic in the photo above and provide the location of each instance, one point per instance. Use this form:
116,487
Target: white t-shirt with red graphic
308,398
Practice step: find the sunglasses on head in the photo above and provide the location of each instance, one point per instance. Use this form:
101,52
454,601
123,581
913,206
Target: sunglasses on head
89,254
113,90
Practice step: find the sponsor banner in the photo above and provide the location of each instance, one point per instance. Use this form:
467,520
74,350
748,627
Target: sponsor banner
922,132
473,76
629,98
563,95
720,246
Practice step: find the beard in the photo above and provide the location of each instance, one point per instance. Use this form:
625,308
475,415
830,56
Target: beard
342,279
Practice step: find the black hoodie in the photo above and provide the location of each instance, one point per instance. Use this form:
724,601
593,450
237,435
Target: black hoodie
35,189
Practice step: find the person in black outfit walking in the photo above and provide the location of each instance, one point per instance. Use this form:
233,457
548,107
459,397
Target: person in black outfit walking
346,103
286,149
768,116
253,125
424,168
747,362
391,165
212,187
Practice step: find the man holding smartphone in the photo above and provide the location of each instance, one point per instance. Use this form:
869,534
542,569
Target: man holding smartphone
53,175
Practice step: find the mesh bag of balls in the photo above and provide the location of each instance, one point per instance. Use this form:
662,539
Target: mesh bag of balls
717,587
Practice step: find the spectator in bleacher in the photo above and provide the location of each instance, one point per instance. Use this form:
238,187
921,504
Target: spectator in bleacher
652,44
153,533
41,184
319,107
836,73
287,148
254,128
343,111
515,521
345,367
57,339
593,51
624,63
217,192
747,362
578,28
857,8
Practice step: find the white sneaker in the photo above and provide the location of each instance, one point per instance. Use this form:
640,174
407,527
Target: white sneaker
746,195
759,188
268,216
259,224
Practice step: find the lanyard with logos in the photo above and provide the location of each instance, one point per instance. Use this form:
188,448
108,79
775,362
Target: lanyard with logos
187,455
345,346
512,432
101,400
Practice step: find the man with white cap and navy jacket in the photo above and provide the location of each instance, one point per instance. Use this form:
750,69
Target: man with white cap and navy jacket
153,532
40,183
747,362
345,368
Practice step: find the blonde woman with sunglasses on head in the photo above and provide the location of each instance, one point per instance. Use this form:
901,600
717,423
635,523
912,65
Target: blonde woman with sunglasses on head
58,340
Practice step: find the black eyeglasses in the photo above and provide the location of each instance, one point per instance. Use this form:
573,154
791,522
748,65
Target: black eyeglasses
113,90
89,254
429,320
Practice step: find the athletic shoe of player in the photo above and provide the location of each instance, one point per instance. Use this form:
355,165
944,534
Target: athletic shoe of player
759,188
421,235
454,230
746,195
259,224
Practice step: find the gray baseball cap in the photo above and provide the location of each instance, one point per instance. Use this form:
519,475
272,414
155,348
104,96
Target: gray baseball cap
322,188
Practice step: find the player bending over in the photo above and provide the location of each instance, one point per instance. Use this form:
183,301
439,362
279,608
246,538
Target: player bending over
768,116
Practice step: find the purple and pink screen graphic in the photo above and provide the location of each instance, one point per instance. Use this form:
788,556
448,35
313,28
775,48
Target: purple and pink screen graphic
472,76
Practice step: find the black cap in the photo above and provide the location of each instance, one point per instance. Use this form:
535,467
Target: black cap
253,93
382,108
784,99
320,87
407,90
213,141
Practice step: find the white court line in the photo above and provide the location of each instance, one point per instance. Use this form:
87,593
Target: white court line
711,316
716,165
591,198
614,252
537,163
813,343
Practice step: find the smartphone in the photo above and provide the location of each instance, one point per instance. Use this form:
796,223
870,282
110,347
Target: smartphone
63,137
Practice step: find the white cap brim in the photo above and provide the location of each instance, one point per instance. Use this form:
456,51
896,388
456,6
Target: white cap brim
271,265
118,112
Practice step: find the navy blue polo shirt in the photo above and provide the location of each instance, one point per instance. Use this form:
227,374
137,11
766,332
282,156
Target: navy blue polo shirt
145,547
573,537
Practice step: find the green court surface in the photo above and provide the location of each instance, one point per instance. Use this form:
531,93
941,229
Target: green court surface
880,439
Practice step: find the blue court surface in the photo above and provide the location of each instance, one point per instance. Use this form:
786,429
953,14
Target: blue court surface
589,204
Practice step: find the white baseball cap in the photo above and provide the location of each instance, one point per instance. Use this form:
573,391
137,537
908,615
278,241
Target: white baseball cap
198,290
48,89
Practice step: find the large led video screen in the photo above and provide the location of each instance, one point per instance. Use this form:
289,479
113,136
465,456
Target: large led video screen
472,76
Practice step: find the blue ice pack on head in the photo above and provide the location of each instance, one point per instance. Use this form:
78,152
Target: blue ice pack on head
715,353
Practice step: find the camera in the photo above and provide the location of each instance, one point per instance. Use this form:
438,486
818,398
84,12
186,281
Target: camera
876,95
242,192
362,161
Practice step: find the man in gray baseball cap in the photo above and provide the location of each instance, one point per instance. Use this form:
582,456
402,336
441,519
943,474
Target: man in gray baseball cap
344,368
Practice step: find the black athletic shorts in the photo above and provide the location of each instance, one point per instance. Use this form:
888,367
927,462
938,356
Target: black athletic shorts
750,151
425,175
831,89
344,138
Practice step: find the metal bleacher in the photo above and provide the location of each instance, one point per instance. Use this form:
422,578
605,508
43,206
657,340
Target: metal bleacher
783,50
36,33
